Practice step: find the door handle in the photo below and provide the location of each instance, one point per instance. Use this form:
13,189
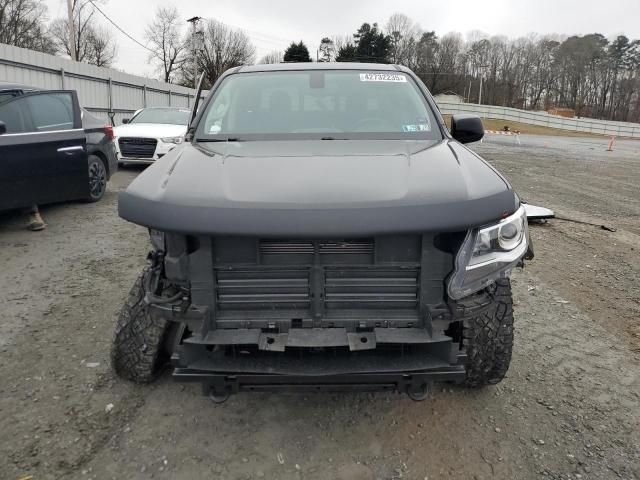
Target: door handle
76,148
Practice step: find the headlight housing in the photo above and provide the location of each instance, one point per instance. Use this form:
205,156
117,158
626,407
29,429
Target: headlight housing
489,253
174,140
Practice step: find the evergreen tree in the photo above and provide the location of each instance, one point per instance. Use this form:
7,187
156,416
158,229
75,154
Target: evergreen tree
297,52
373,45
347,53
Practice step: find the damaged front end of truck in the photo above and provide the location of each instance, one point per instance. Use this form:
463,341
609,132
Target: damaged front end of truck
365,254
377,313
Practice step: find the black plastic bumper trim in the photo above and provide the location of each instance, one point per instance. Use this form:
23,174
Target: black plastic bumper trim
398,381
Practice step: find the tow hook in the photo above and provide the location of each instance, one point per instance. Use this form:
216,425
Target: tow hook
420,393
218,397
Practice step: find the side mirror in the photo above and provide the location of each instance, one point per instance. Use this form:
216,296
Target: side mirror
466,128
3,128
125,121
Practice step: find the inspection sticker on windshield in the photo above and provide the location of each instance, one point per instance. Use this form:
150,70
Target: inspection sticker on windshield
382,77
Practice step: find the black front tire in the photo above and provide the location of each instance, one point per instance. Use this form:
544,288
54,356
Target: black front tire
97,178
487,336
137,352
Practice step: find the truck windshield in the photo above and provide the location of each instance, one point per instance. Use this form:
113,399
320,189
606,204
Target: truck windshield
326,104
170,116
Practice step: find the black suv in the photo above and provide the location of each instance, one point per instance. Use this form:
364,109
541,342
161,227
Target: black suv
51,150
320,228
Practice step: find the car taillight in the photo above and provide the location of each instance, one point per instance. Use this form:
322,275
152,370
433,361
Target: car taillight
108,131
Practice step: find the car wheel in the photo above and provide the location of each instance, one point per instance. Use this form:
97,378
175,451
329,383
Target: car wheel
97,178
487,334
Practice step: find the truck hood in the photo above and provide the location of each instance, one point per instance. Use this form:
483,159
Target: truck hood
318,188
151,130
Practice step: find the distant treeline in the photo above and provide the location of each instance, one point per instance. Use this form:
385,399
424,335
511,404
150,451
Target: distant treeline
595,76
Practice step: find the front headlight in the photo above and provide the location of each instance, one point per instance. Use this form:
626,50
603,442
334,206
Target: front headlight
488,254
175,140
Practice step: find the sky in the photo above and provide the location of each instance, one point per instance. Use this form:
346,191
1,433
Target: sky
273,24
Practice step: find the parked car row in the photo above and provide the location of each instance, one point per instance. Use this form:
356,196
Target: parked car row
53,150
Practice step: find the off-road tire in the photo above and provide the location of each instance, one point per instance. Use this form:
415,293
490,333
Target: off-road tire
137,352
487,336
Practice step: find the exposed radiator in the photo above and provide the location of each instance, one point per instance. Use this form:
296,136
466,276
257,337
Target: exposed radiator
371,288
266,289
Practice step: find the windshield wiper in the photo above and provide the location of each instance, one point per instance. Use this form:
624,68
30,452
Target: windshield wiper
332,138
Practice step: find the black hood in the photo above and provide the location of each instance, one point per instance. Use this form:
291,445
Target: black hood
318,188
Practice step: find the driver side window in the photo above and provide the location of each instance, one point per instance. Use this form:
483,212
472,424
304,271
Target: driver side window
42,112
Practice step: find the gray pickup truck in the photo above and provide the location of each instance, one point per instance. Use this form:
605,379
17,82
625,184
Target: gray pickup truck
322,229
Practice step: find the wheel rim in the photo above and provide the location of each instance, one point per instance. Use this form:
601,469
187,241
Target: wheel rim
97,179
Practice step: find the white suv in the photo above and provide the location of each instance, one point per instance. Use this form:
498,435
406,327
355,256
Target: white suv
150,134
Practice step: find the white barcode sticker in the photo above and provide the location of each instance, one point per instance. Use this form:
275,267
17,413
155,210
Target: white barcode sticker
382,77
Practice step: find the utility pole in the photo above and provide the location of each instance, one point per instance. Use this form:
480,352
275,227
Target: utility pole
482,67
72,31
197,38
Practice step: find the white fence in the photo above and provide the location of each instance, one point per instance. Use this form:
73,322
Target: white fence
605,127
103,91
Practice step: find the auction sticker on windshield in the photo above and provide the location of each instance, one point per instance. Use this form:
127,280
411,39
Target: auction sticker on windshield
382,77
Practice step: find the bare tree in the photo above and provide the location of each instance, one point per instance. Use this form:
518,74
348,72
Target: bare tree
22,25
327,50
165,40
272,57
102,48
404,35
224,48
93,44
341,41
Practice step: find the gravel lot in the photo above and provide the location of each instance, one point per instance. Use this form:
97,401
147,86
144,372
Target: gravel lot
569,408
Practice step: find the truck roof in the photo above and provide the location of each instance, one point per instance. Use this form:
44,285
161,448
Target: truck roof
275,67
15,86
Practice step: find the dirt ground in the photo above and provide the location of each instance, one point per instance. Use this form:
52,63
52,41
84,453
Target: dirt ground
569,408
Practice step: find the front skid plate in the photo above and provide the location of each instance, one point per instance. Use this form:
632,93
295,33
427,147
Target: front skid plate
368,373
314,365
222,383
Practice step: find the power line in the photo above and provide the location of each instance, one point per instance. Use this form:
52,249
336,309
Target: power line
255,35
118,27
